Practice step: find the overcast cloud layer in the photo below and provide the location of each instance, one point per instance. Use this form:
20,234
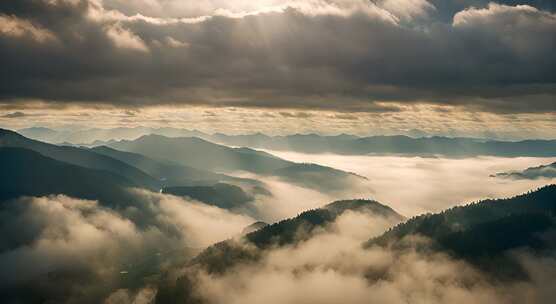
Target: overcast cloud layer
349,55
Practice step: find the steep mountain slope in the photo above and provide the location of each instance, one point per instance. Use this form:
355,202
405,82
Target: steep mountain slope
28,173
80,157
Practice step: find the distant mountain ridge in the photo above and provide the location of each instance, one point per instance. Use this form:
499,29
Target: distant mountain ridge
204,155
314,143
172,174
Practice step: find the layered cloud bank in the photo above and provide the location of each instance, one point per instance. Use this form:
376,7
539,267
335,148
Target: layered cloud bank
348,55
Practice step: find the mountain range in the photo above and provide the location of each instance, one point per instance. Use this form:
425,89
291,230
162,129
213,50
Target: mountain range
314,143
179,166
202,154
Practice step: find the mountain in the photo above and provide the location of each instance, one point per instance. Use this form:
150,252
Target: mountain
39,133
28,173
80,157
287,231
546,171
224,255
221,195
482,232
314,143
319,177
307,143
201,154
172,174
397,144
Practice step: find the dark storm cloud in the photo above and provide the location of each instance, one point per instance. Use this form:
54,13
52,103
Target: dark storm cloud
319,54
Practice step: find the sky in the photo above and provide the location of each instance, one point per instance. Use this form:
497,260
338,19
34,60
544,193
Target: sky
450,67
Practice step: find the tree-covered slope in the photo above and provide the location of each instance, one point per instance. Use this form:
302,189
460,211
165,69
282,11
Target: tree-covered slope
224,255
483,232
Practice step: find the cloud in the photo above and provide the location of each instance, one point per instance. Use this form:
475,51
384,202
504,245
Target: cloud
61,247
416,185
296,114
14,115
343,55
74,250
12,26
344,116
123,38
61,236
198,224
408,9
332,267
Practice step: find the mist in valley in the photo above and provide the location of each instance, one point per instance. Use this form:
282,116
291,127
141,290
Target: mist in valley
415,185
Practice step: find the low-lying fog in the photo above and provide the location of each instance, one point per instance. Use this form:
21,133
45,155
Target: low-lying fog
415,185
